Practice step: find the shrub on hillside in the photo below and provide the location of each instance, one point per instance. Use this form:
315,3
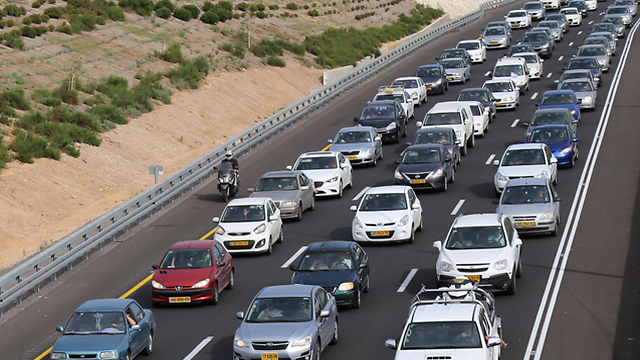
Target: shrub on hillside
29,146
15,99
164,4
13,10
173,54
195,12
55,12
209,17
163,13
183,14
276,61
140,7
13,40
108,113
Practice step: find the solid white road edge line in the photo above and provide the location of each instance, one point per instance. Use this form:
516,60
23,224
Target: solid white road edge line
515,122
407,280
490,159
361,193
293,257
457,208
197,349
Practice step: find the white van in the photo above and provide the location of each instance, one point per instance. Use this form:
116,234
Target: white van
514,68
452,114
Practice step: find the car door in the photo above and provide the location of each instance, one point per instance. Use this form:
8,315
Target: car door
324,324
553,166
274,226
554,195
413,199
467,124
306,195
345,169
361,263
511,234
222,265
423,88
377,141
138,338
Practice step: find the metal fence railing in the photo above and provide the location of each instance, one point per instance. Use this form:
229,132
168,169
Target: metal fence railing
30,275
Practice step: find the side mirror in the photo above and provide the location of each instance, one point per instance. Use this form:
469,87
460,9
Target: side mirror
553,160
494,341
240,315
488,74
415,206
289,167
154,266
574,55
557,199
419,124
537,104
391,343
355,119
325,313
274,217
579,102
135,327
330,141
541,60
397,161
215,168
353,208
517,242
250,189
437,244
216,219
304,188
378,138
458,142
293,267
408,144
496,162
574,140
59,328
525,124
517,89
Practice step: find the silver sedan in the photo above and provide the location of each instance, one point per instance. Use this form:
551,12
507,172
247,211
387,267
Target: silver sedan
292,191
457,69
496,37
599,52
359,144
585,90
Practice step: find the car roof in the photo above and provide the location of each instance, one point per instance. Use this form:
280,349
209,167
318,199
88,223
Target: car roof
193,244
407,78
356,128
472,220
429,66
105,305
452,58
286,291
510,60
432,130
475,89
282,173
247,201
525,146
384,102
387,189
576,80
583,58
329,245
444,312
551,110
498,81
469,41
446,106
523,54
557,92
590,45
423,147
527,181
319,153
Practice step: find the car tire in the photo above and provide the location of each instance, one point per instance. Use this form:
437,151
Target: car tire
350,184
269,247
519,269
128,356
453,176
232,280
375,161
340,190
420,227
572,163
216,294
313,202
149,348
464,149
381,153
513,286
334,338
367,284
472,141
464,79
299,215
316,352
445,185
281,237
556,230
412,237
358,301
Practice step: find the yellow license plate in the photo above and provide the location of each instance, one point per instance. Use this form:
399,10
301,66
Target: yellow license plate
420,181
175,300
428,88
498,104
239,243
269,356
380,233
494,44
352,158
449,78
526,223
474,277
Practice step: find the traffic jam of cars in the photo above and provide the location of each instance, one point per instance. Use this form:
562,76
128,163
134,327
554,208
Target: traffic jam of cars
481,252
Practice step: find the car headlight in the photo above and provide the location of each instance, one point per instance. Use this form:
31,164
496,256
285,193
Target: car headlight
500,265
446,266
404,220
239,342
565,151
459,135
457,74
573,112
201,284
110,354
501,177
542,175
391,126
260,229
220,230
509,99
333,179
288,204
548,216
437,173
438,82
58,355
346,286
302,342
357,223
587,99
545,46
366,151
398,175
157,285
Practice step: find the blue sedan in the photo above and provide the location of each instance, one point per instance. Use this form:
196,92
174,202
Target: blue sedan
560,139
561,99
106,329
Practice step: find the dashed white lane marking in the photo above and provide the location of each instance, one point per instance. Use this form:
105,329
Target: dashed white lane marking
515,122
293,257
579,32
490,159
571,43
457,208
361,193
590,22
197,349
487,73
561,57
407,280
549,75
534,96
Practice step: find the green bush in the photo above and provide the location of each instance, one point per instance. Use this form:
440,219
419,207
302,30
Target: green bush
222,14
35,19
207,5
15,99
260,7
164,4
276,61
115,13
274,7
243,6
183,14
238,49
226,5
173,53
140,7
28,31
55,12
163,13
261,15
97,100
65,28
195,12
52,101
36,4
209,17
189,73
292,6
14,40
313,13
29,146
108,113
5,157
86,22
13,10
68,96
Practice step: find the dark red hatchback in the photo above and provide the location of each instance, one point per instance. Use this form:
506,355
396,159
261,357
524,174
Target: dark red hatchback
192,271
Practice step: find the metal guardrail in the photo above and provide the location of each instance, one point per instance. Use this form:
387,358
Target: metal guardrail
30,275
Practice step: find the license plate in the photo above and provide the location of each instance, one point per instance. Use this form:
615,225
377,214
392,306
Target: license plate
526,223
269,356
352,158
380,233
498,104
420,181
239,243
474,277
494,43
428,88
449,78
317,191
175,300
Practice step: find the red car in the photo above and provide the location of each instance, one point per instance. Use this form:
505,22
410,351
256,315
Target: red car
192,271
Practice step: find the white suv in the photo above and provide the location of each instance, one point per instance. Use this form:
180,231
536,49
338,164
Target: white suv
484,248
452,114
514,68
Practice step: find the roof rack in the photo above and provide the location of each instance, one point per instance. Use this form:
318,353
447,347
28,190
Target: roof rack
467,292
390,88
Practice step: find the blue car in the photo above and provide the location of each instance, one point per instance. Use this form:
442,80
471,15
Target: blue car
561,140
561,99
106,329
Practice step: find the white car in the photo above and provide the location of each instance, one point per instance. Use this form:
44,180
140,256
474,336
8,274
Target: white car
525,160
475,48
480,118
414,86
551,4
592,5
573,15
249,225
485,248
330,171
452,114
397,92
513,68
518,19
387,213
505,91
534,64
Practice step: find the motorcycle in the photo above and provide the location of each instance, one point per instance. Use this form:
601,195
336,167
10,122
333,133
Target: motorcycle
227,180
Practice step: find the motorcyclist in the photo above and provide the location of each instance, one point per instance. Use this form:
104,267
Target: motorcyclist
228,157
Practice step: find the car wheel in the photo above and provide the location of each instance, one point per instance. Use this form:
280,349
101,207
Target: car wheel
313,203
556,230
381,154
269,248
216,294
464,79
453,176
281,237
420,227
367,284
464,149
573,161
334,338
445,185
519,270
472,141
375,160
232,280
358,301
577,154
340,190
350,184
513,286
127,357
316,352
149,348
299,216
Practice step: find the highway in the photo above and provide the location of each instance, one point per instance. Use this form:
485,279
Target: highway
584,320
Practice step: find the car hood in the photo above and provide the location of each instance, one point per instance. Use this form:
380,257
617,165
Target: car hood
517,19
277,196
566,106
583,94
322,174
374,217
351,147
430,79
275,331
525,209
96,342
536,43
418,168
241,226
522,170
456,354
454,70
555,146
494,38
376,123
324,278
181,277
503,95
475,256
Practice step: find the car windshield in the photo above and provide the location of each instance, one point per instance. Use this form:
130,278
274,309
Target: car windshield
569,11
441,335
316,162
549,118
549,136
527,194
383,202
326,261
452,63
586,74
433,138
499,86
508,70
408,84
421,156
96,322
280,309
577,86
379,111
477,237
602,27
557,99
613,20
187,259
469,45
550,25
391,96
589,41
523,157
534,37
530,59
617,10
556,17
520,49
432,71
514,14
353,137
242,213
532,6
451,54
577,4
287,183
452,118
494,31
473,96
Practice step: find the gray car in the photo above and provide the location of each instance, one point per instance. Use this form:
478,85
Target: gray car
585,90
550,116
602,41
621,10
597,51
496,37
618,24
555,27
631,4
533,204
613,40
457,69
292,191
287,322
561,19
577,74
535,9
359,144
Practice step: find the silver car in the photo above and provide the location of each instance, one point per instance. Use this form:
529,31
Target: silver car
618,24
534,64
292,191
613,40
631,4
597,51
456,69
622,10
550,116
535,9
585,90
603,41
287,322
359,144
533,204
561,19
495,37
555,27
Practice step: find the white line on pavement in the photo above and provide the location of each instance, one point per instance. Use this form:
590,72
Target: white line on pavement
571,43
490,159
561,57
534,96
407,280
579,32
293,257
549,75
457,208
590,22
361,193
515,122
487,73
197,349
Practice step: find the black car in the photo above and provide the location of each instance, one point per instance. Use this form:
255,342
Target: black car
519,48
482,95
445,136
586,62
455,53
433,77
427,166
340,267
387,117
542,43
